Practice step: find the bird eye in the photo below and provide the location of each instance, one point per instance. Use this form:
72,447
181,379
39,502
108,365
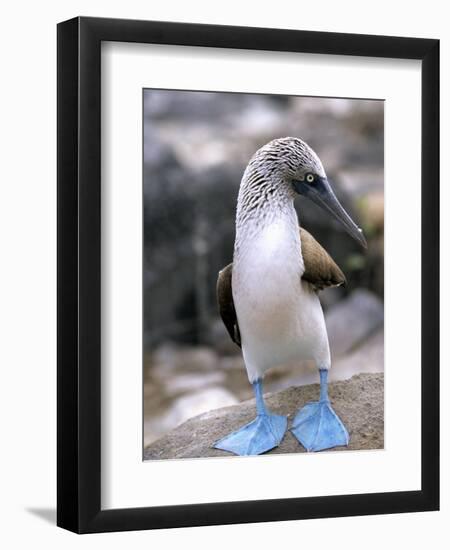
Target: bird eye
309,178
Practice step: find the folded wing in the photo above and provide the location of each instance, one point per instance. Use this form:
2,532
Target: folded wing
226,304
321,271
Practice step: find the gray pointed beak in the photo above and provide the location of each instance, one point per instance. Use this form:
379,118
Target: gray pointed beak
321,193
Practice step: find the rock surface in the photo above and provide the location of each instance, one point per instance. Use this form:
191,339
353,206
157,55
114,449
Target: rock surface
358,401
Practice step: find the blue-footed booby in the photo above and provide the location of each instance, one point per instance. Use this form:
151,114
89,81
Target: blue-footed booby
268,296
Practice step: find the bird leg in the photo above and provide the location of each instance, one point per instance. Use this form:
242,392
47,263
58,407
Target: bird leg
316,425
259,436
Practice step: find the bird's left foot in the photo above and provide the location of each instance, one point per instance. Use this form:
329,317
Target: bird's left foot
317,427
259,436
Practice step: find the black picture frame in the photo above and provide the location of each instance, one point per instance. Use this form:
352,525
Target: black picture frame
79,276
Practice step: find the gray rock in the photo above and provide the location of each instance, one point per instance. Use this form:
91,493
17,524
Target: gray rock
169,361
184,383
358,401
369,357
193,404
352,320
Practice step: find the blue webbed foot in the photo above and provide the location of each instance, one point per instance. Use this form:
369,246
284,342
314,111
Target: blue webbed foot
259,436
318,427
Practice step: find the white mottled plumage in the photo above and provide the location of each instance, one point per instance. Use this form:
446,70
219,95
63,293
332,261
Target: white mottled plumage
279,315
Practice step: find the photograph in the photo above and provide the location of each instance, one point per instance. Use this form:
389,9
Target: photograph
263,274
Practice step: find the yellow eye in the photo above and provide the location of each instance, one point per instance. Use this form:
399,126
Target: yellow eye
309,178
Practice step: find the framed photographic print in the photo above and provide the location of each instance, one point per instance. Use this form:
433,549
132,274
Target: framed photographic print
248,254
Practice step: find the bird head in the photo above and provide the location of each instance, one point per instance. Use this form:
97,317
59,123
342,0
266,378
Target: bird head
303,171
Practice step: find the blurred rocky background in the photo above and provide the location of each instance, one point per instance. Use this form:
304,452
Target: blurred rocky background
196,147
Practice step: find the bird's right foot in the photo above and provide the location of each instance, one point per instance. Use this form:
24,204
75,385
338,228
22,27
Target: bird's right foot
259,436
317,427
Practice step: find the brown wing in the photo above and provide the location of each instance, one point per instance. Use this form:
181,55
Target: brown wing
321,271
226,304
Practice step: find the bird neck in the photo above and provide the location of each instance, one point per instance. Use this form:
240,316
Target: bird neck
263,197
263,202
